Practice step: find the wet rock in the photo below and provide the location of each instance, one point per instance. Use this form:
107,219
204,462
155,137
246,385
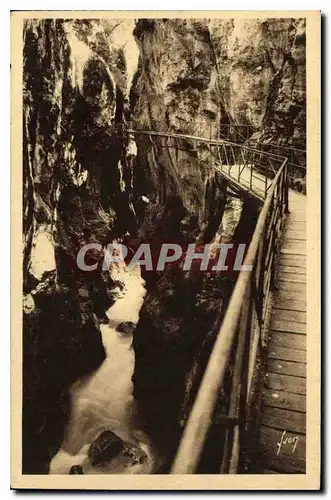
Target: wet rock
28,303
104,448
117,293
126,327
76,469
104,320
135,454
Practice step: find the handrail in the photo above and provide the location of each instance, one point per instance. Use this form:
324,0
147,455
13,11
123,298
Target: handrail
195,432
296,157
215,142
296,171
236,162
280,146
236,128
241,126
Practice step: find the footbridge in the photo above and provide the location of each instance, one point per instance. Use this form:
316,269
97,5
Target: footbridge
261,343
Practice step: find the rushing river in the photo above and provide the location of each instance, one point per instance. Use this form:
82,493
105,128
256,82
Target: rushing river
104,399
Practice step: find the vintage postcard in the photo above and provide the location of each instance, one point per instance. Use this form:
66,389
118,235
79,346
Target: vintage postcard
165,250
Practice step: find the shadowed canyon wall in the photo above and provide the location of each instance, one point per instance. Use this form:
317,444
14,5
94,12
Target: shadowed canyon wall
74,158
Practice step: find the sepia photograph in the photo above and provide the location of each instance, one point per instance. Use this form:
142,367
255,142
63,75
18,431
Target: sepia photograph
165,228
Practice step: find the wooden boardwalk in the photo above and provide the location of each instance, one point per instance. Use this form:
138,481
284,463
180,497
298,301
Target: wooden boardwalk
282,432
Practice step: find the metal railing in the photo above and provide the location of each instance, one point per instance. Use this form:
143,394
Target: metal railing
236,135
235,132
242,329
201,129
247,169
207,129
297,167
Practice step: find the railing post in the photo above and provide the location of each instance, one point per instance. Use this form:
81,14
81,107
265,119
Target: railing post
281,195
238,397
274,239
251,175
286,188
257,325
239,435
265,180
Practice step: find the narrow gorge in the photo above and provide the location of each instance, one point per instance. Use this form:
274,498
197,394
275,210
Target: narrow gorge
112,359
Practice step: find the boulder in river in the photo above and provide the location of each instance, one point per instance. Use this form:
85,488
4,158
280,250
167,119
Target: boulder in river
104,448
126,327
76,469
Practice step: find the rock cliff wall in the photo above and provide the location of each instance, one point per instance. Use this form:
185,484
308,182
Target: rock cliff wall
285,114
74,193
175,89
261,67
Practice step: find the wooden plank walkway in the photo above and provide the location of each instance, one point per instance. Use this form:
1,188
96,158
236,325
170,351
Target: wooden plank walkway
282,433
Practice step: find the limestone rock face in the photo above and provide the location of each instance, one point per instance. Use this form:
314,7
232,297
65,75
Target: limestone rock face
285,116
261,66
244,69
176,89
